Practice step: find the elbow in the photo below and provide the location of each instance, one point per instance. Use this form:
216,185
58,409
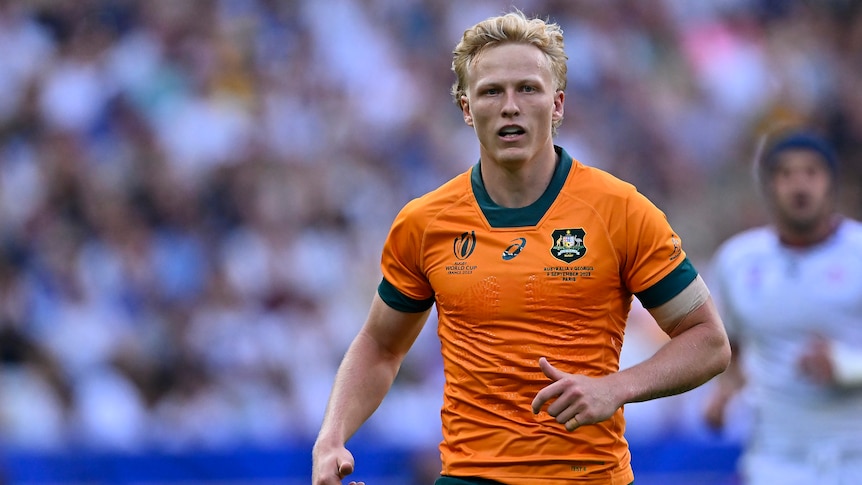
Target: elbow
722,353
724,359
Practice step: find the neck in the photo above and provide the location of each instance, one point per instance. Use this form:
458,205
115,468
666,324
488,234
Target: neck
805,237
519,185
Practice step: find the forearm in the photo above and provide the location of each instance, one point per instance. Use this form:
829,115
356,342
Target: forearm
687,361
362,381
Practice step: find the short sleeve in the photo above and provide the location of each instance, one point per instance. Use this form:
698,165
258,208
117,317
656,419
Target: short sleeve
405,286
655,267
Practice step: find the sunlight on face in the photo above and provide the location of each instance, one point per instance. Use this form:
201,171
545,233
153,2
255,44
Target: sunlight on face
511,103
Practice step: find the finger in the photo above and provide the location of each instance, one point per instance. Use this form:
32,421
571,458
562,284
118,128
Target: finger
345,469
549,370
550,392
538,402
572,424
564,415
556,408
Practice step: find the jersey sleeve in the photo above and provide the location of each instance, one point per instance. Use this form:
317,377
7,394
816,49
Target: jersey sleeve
655,267
404,286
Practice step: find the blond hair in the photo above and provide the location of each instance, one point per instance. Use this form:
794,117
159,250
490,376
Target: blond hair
511,27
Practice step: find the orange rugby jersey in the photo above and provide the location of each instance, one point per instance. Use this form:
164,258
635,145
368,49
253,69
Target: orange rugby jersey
554,279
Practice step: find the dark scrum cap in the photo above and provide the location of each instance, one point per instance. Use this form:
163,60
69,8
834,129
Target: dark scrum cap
801,140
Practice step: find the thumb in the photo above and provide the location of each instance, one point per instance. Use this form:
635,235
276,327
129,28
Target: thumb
345,469
550,371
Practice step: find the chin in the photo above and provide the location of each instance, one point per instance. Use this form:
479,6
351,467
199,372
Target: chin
803,224
513,154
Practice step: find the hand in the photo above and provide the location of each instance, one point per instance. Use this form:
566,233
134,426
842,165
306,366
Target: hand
580,400
331,465
816,362
714,411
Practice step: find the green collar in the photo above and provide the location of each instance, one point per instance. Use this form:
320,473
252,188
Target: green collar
500,217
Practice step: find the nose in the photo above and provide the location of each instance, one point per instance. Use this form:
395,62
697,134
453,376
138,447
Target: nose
510,105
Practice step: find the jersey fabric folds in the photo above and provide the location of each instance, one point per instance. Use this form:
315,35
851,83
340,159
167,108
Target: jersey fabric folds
554,279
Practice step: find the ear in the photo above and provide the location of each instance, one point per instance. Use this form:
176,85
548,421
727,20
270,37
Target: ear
559,98
465,109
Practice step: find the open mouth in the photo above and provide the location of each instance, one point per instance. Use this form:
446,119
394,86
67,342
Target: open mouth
512,131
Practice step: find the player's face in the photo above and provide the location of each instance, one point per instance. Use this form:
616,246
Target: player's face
801,190
511,103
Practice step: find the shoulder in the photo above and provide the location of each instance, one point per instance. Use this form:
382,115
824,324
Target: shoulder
851,229
606,193
589,182
847,241
746,244
427,207
594,179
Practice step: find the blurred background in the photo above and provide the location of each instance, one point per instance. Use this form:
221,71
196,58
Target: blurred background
194,194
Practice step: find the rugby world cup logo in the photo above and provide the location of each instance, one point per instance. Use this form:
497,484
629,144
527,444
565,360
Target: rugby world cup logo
464,245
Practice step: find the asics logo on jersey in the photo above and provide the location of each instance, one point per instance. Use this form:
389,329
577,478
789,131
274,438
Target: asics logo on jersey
514,249
464,245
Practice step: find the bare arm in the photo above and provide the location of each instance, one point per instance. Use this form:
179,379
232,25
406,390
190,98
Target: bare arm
366,373
697,351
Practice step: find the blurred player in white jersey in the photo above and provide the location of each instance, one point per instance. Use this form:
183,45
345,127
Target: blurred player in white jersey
790,294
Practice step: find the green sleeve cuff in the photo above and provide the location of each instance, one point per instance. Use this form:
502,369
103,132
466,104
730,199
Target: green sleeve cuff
670,286
401,302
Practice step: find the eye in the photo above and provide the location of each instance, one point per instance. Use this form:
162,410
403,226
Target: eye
528,89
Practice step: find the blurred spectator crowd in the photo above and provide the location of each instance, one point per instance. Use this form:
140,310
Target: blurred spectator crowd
193,194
